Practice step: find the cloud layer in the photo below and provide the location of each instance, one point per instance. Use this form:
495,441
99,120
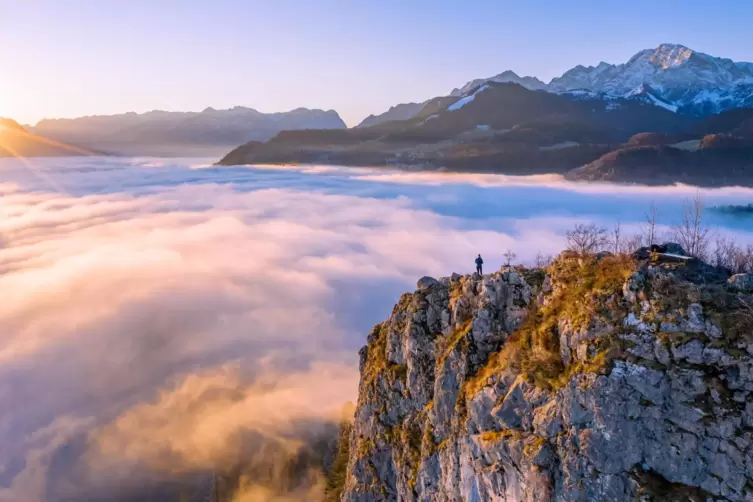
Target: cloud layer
163,320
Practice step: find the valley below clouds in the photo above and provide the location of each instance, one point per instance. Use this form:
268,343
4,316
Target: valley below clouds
162,320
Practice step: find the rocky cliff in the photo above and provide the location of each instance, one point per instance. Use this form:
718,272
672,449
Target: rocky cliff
597,378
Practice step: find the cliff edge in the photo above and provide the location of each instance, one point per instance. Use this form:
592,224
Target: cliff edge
596,378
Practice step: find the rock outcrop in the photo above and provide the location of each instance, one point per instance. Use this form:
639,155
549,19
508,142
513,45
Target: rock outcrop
594,379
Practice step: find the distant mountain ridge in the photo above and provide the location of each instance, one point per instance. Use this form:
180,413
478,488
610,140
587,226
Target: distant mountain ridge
507,128
403,111
671,76
182,133
16,141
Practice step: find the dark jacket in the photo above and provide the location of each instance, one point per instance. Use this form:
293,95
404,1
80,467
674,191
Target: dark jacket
479,261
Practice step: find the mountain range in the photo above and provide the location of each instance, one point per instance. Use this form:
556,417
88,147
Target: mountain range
684,80
634,125
162,133
668,114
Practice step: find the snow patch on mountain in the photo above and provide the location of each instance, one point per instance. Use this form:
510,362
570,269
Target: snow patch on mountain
430,117
645,94
460,103
581,94
662,104
708,96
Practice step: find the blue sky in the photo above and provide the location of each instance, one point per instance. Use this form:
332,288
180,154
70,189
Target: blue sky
81,57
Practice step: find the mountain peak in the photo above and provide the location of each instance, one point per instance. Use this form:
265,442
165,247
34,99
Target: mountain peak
677,76
667,47
507,76
670,56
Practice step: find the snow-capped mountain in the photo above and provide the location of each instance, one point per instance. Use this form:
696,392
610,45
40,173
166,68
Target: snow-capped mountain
665,68
716,100
671,76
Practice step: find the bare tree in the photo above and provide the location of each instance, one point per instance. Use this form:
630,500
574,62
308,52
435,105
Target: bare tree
743,263
586,239
691,232
729,255
630,244
650,231
509,256
724,251
622,244
542,260
616,234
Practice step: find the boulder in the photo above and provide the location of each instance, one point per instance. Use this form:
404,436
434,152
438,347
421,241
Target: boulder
672,248
426,282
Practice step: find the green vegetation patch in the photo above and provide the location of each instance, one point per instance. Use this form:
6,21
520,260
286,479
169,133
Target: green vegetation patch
335,480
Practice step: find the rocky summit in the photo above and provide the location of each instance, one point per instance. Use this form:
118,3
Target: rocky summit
596,378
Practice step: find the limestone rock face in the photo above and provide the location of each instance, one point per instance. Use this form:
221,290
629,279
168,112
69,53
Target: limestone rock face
608,379
742,282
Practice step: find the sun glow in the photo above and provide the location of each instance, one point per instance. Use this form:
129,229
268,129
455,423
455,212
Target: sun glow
17,142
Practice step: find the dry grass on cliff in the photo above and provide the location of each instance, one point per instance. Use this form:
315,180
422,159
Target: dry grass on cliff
446,345
584,288
376,358
491,437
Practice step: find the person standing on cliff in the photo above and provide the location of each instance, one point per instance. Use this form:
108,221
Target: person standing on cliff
479,262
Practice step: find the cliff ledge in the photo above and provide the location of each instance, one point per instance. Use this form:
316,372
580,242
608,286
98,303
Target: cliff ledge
596,378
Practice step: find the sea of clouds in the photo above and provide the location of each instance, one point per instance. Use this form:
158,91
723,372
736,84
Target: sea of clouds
164,320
